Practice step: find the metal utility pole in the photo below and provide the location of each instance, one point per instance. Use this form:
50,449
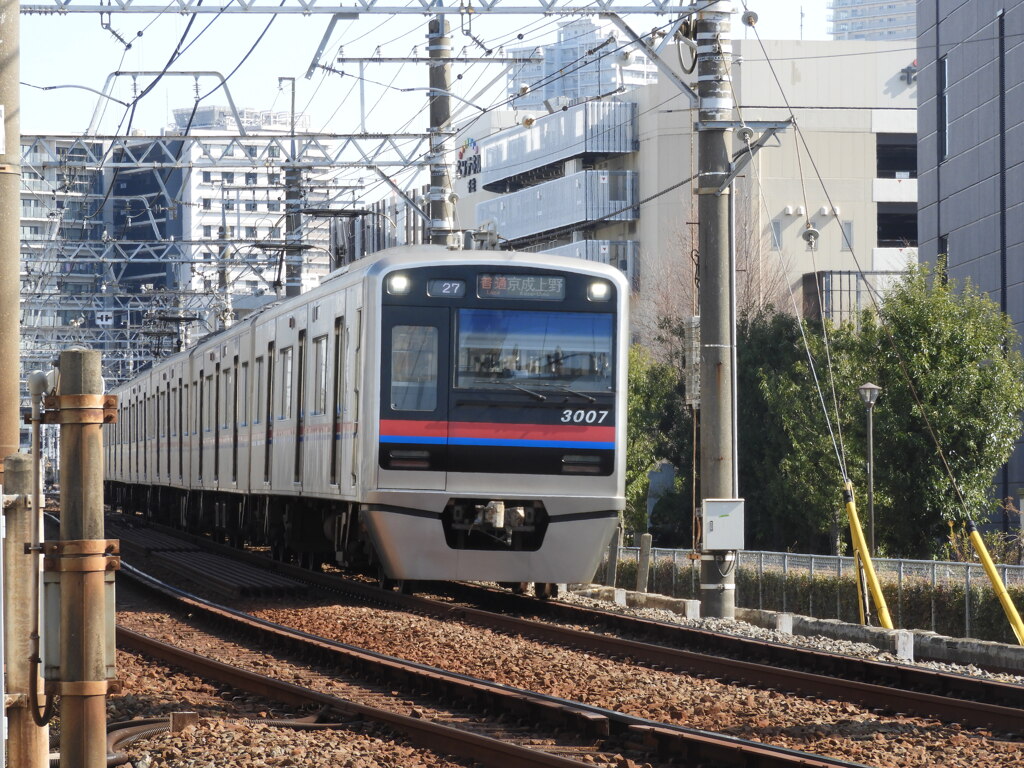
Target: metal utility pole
27,743
715,108
10,223
441,209
293,220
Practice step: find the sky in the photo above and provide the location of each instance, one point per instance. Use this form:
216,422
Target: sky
67,59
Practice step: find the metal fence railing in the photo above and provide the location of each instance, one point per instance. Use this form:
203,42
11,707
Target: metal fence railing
812,584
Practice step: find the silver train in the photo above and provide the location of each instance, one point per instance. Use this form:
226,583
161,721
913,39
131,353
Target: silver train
438,415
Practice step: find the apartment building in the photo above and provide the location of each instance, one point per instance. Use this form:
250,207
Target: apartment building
872,19
585,61
612,180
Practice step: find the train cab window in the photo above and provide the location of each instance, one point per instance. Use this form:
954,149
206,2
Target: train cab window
564,350
414,351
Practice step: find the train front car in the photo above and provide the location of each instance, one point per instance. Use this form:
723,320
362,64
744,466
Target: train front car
501,430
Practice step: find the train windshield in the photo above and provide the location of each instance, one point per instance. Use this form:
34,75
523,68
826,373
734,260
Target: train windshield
526,348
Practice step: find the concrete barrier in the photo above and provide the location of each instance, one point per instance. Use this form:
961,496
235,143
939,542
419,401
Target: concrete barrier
904,644
981,653
629,599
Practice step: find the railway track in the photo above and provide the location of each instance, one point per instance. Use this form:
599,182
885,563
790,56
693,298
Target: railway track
477,726
890,687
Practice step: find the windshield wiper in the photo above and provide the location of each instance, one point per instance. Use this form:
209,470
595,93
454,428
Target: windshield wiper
530,392
510,385
584,395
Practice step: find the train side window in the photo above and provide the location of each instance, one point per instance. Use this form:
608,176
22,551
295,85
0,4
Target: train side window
135,433
157,431
168,413
145,433
233,413
216,419
337,393
356,394
257,396
201,417
320,368
414,368
285,406
300,406
243,393
208,422
182,400
268,452
225,405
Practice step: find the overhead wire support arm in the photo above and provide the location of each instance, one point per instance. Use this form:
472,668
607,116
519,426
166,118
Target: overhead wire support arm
94,123
360,7
323,40
398,191
768,131
425,60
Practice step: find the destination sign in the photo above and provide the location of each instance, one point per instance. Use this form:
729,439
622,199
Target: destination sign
539,287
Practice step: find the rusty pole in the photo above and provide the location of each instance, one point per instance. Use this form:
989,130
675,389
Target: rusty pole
10,221
82,564
27,743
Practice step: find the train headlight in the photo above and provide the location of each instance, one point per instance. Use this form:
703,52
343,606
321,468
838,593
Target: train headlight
599,290
399,285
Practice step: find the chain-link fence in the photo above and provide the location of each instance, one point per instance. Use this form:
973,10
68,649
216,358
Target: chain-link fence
949,598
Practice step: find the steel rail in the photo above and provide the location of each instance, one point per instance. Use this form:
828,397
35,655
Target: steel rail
442,738
666,739
977,702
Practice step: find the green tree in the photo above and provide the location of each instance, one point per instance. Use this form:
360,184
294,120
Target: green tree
769,346
952,392
960,407
656,420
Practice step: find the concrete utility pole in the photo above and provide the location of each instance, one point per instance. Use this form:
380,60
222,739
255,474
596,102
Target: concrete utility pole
83,558
27,743
293,253
714,56
10,223
441,209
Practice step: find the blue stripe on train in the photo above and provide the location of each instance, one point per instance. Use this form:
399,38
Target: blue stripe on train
410,440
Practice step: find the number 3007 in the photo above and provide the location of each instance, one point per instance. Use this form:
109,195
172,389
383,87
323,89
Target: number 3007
570,416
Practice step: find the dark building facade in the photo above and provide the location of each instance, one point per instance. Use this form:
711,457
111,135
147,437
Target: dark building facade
971,155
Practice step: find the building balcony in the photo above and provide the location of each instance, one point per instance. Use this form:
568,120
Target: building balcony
893,259
576,199
592,128
900,190
624,254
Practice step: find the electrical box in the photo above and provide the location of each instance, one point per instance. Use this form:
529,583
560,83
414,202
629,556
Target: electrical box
723,524
50,628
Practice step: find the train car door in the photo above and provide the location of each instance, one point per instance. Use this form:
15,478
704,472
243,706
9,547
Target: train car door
413,446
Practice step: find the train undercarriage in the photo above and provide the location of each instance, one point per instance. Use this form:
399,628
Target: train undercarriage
302,531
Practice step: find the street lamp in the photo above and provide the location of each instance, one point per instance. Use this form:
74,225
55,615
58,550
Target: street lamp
869,394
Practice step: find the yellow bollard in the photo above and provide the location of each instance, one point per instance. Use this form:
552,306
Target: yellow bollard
861,546
997,584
